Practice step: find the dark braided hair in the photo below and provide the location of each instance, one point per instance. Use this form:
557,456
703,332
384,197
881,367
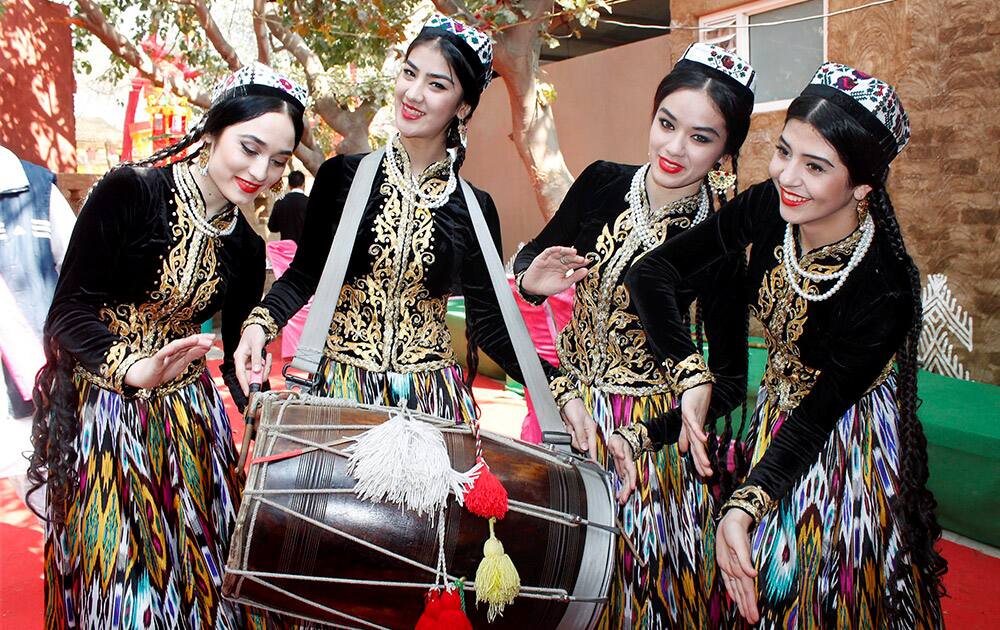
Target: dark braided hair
56,426
735,104
914,505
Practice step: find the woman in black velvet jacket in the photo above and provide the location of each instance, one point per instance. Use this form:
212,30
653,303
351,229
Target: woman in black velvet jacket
130,432
609,369
833,526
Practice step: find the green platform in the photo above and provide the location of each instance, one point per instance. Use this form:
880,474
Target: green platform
961,420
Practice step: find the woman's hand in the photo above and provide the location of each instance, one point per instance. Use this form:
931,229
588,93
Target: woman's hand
553,271
581,427
732,552
248,356
694,410
622,455
167,364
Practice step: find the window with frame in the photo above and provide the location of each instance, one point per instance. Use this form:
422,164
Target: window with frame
785,55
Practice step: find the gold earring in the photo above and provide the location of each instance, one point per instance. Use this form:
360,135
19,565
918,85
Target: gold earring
276,187
463,132
862,210
203,161
720,181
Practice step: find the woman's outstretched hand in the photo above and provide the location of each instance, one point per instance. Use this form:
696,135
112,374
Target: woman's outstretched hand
171,360
553,271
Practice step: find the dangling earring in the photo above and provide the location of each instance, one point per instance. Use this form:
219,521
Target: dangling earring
203,160
862,210
720,181
463,132
276,187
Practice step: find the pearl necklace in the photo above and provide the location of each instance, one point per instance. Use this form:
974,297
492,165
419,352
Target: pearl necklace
410,188
639,207
187,190
793,270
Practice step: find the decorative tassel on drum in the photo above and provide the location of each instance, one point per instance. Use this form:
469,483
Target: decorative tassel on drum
443,611
404,461
487,497
497,580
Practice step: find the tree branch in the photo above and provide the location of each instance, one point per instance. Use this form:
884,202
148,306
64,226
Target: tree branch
260,33
92,19
215,35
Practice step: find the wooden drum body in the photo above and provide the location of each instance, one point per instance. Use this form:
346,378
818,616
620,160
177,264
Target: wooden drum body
305,545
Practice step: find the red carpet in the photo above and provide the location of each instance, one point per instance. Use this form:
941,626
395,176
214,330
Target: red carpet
973,581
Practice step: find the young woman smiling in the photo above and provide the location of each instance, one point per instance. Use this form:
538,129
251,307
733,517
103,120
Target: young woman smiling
834,525
611,377
130,431
388,340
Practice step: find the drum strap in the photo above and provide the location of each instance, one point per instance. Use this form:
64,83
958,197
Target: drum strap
317,326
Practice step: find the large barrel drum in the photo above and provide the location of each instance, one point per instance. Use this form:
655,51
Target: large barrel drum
305,545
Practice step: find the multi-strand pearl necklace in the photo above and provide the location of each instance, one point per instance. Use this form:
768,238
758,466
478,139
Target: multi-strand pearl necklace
187,190
793,271
410,188
641,216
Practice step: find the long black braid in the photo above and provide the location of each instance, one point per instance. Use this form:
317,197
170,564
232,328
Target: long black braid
915,505
56,425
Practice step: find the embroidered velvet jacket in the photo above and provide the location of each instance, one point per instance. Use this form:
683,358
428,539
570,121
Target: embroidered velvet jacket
823,356
604,345
138,274
406,262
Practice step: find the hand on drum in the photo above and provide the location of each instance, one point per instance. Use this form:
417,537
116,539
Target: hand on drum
581,427
694,410
621,453
732,552
249,357
169,362
553,271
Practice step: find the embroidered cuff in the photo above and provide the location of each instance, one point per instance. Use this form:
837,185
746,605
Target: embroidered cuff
530,298
263,318
563,389
752,500
119,359
689,372
637,437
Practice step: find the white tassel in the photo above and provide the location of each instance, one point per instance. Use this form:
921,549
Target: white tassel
404,461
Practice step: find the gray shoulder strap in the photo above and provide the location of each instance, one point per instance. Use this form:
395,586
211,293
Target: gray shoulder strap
317,327
531,367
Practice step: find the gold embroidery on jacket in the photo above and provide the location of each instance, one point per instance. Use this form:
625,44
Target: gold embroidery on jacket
784,313
187,283
386,319
604,345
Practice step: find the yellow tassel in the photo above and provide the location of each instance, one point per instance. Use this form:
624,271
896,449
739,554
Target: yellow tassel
497,581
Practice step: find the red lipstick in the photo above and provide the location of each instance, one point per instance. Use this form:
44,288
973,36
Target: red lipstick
410,113
790,199
670,166
247,187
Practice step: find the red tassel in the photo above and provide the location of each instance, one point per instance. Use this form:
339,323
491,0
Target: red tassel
452,616
432,611
443,611
487,497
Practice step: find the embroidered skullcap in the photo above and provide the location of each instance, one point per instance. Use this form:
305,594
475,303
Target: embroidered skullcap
258,79
720,63
475,45
873,103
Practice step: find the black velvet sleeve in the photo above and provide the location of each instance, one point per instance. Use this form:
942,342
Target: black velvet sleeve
242,295
860,349
90,267
326,205
724,313
564,227
713,252
485,321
